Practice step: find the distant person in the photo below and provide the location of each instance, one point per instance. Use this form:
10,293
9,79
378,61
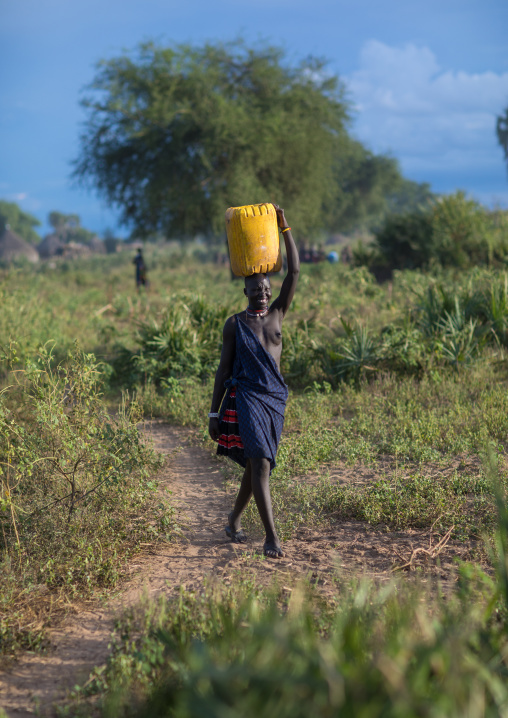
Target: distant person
305,254
346,255
140,269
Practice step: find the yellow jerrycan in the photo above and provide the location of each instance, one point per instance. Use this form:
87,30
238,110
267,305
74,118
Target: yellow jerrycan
253,238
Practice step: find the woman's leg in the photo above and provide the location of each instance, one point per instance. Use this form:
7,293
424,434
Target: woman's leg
260,475
243,498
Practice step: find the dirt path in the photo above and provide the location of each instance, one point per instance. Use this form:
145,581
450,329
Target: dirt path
37,681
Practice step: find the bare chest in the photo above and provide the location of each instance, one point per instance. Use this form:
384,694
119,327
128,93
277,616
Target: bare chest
269,332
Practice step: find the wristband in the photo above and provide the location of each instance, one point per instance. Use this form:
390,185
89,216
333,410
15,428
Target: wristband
286,230
213,415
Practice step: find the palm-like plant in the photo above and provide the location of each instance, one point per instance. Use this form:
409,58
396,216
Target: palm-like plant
494,309
183,341
459,342
356,356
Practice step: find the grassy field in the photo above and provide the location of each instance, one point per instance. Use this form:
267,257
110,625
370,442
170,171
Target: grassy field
408,379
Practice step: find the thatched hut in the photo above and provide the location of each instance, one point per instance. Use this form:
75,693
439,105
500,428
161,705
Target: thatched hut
132,245
51,246
97,245
13,248
75,250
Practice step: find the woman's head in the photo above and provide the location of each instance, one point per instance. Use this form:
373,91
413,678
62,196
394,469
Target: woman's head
258,290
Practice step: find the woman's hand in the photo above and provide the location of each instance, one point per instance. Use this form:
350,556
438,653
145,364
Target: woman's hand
214,429
281,219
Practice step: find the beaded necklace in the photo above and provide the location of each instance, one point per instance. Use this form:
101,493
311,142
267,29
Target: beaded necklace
256,312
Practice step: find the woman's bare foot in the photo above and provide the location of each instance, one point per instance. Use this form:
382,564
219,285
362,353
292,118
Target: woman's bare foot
234,530
271,549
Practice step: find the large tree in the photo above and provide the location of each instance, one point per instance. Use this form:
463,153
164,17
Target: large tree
363,182
174,136
19,221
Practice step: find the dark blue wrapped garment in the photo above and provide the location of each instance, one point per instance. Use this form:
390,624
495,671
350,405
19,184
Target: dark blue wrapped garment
261,397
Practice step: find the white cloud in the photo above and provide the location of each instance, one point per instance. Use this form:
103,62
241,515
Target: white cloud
26,201
436,121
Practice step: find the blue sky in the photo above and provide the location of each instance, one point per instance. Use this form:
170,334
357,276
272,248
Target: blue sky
426,80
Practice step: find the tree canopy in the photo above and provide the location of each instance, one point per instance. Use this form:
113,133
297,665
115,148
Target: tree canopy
67,228
175,135
370,187
19,221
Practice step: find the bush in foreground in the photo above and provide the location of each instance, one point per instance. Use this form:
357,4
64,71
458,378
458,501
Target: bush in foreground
377,652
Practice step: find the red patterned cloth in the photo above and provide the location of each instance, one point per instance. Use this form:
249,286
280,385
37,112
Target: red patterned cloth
230,441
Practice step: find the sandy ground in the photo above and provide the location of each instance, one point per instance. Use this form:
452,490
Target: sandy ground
37,682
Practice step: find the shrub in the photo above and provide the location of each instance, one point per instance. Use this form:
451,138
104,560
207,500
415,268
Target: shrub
461,232
75,494
184,341
406,241
404,349
453,232
492,307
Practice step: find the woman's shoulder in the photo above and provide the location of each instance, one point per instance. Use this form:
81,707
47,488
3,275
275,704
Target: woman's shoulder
230,325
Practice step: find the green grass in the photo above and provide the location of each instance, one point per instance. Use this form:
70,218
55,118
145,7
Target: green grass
164,345
416,501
